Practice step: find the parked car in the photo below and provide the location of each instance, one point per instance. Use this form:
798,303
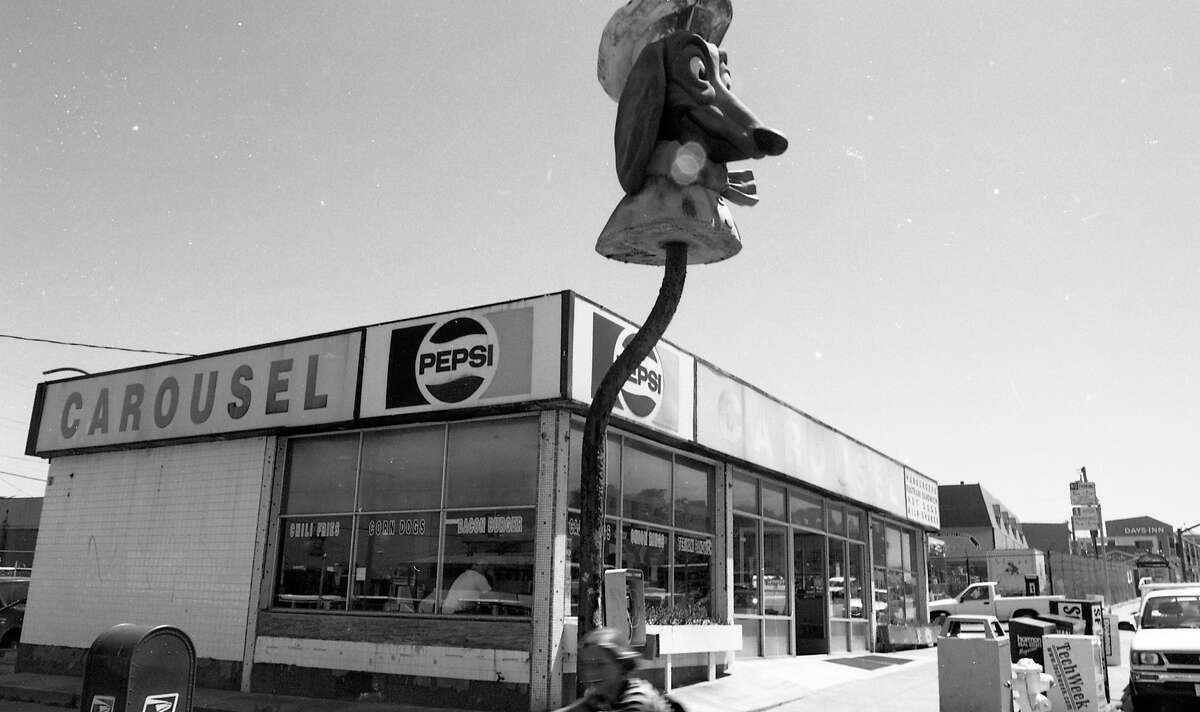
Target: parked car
983,599
1164,657
13,592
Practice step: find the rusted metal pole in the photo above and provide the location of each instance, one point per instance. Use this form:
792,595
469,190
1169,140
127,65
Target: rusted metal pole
592,470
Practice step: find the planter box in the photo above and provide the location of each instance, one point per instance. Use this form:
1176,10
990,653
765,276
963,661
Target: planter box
683,639
892,637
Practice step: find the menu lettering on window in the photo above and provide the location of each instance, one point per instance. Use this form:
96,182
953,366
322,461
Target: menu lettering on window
310,530
692,545
494,524
644,537
395,527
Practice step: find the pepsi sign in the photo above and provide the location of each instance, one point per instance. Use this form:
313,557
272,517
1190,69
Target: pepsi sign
500,354
658,392
642,393
450,362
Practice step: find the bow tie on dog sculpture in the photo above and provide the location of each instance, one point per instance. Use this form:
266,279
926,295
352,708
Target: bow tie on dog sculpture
678,124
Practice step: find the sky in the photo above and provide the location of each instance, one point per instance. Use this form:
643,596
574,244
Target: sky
978,255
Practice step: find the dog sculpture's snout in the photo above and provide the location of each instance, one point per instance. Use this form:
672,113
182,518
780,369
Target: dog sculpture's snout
769,141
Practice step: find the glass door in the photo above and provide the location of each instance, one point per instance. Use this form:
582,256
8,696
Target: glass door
858,595
810,592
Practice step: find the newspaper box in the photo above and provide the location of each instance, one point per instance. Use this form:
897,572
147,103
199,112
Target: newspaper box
1077,664
1026,638
1063,625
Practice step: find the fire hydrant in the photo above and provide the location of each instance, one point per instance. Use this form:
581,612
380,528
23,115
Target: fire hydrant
1030,685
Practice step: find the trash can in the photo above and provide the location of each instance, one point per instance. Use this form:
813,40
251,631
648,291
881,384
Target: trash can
1063,625
974,667
138,668
1026,638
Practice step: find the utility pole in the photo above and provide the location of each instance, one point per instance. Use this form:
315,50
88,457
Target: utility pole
1185,572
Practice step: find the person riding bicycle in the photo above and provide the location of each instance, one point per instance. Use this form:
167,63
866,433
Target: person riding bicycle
607,667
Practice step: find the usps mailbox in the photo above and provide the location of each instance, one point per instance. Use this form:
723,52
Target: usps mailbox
138,668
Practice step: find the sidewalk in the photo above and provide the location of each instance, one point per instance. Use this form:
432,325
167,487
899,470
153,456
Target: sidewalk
755,685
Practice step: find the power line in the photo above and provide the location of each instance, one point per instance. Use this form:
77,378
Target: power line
24,477
93,346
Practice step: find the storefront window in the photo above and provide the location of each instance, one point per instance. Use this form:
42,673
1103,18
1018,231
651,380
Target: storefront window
878,543
490,464
745,493
314,566
895,551
776,601
745,565
772,502
858,599
612,471
895,565
837,520
655,488
807,510
402,469
395,561
488,561
855,524
692,573
648,549
321,476
646,477
386,556
693,496
609,548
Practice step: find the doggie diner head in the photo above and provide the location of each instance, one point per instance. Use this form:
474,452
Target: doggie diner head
678,124
680,89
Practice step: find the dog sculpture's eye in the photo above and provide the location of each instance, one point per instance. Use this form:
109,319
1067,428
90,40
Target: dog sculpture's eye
699,70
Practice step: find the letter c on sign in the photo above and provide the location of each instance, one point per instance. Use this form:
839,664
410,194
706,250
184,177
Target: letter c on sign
70,425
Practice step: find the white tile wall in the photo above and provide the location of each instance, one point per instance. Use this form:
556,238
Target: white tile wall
158,536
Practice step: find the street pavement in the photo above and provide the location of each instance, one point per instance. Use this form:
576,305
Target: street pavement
903,681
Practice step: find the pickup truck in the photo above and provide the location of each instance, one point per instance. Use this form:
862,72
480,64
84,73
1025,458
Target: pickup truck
1164,657
983,599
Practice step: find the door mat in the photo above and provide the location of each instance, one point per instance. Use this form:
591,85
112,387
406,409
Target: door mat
869,662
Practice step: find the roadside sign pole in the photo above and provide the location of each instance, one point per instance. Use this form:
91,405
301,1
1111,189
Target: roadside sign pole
1104,556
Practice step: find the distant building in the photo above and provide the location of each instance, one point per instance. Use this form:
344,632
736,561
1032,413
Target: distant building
1140,534
19,518
1052,536
973,519
974,524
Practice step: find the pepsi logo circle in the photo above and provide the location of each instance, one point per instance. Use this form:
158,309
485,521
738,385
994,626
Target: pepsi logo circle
642,393
457,360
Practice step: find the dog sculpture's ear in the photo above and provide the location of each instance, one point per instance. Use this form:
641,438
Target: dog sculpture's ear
638,115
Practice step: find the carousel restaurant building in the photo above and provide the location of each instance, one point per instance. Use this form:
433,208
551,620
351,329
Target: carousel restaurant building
390,512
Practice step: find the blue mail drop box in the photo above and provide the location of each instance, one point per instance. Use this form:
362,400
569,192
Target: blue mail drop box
138,668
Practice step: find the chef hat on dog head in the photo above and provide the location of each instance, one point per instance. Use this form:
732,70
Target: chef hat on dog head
638,23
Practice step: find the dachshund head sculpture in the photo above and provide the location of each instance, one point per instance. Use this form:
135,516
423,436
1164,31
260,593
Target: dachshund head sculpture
678,124
679,89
